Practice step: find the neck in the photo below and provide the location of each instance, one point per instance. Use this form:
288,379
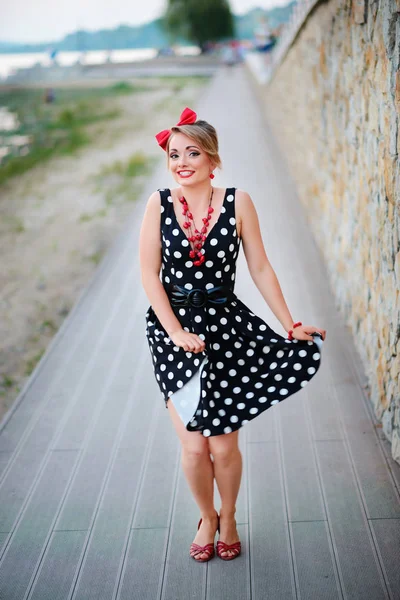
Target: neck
198,195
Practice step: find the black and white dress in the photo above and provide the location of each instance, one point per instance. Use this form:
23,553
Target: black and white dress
246,367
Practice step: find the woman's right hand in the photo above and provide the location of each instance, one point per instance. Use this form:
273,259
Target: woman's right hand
190,342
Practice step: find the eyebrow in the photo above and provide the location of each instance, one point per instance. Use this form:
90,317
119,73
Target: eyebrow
187,148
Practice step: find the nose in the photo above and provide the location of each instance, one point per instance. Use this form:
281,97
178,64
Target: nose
182,162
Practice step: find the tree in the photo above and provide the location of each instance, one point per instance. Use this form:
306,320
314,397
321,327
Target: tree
200,21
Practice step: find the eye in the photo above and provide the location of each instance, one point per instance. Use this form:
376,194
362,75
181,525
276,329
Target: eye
194,153
173,155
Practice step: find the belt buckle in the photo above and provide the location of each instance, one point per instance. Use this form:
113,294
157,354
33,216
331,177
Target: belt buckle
197,298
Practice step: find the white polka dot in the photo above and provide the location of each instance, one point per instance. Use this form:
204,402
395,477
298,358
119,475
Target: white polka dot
188,264
278,377
250,352
224,384
227,430
213,241
209,263
170,375
223,321
275,402
188,286
291,379
241,406
198,275
263,327
237,390
283,392
254,410
179,384
162,367
245,379
206,432
197,319
232,372
221,254
234,419
220,365
205,413
250,395
224,231
297,366
228,354
258,385
316,356
311,370
283,365
273,365
182,311
177,254
209,286
262,399
180,365
266,349
221,412
175,232
188,373
228,401
185,242
302,353
216,422
229,198
303,383
279,354
212,311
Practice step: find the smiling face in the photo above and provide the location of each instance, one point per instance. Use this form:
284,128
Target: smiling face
187,161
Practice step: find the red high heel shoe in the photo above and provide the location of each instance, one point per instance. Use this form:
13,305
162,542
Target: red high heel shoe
208,549
236,548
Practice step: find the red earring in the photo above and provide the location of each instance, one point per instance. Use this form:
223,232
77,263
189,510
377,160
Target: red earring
212,175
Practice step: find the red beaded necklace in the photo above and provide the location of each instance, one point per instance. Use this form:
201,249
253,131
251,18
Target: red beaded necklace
197,238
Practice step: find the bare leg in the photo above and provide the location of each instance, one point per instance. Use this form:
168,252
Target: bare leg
228,474
199,472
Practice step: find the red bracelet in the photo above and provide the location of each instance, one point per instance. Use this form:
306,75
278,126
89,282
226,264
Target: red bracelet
290,332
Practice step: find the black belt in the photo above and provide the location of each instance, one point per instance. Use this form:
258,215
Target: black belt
180,296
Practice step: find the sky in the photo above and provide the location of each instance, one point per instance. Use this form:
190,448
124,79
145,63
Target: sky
50,20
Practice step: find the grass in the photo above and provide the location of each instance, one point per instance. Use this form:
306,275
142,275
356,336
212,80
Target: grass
121,180
60,127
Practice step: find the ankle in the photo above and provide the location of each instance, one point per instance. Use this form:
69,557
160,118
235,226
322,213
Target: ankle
228,513
210,517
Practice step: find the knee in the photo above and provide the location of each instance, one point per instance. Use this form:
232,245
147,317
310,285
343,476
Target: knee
225,456
195,453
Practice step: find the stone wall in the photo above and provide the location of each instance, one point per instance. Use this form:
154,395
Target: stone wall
333,104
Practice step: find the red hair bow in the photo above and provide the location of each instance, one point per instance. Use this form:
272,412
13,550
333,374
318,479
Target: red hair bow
188,116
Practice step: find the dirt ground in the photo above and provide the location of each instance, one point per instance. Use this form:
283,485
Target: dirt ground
58,219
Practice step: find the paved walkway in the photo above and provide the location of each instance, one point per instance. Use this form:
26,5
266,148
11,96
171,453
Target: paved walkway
93,502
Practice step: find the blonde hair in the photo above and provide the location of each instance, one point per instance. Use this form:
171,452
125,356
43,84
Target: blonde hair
204,134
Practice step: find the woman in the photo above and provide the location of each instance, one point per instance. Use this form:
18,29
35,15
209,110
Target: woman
217,364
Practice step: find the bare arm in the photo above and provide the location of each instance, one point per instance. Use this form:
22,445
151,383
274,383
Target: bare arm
150,265
260,268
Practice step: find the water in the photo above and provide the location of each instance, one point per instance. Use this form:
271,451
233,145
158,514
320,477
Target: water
10,62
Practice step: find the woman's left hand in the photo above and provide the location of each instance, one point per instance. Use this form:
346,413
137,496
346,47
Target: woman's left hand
303,332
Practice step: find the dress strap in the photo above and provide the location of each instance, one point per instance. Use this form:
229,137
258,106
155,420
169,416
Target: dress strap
166,204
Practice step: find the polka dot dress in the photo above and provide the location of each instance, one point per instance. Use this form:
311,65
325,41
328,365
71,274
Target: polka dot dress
246,367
